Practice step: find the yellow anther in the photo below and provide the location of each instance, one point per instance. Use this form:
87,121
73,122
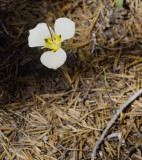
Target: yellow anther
53,43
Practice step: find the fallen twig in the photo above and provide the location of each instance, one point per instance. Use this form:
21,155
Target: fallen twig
130,100
3,26
74,152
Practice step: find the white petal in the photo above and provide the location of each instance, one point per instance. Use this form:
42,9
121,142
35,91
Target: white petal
53,59
38,34
64,27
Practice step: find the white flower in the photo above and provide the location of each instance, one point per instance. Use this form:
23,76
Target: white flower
44,36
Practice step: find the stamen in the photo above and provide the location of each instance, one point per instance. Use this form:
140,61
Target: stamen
53,43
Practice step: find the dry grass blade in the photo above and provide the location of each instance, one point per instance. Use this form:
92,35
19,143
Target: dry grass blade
60,114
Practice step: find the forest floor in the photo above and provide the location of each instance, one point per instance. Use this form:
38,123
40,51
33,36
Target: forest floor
60,114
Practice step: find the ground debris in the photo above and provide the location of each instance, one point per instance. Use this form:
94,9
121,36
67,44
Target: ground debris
47,114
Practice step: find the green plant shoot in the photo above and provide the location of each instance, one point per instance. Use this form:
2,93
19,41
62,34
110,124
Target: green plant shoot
119,3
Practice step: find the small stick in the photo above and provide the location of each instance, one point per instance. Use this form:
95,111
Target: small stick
130,100
74,152
3,26
3,63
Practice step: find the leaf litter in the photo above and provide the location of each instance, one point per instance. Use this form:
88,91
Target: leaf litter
46,114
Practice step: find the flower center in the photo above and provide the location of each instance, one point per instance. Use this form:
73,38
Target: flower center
53,43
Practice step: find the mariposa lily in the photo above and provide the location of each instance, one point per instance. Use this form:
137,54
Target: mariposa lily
44,36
